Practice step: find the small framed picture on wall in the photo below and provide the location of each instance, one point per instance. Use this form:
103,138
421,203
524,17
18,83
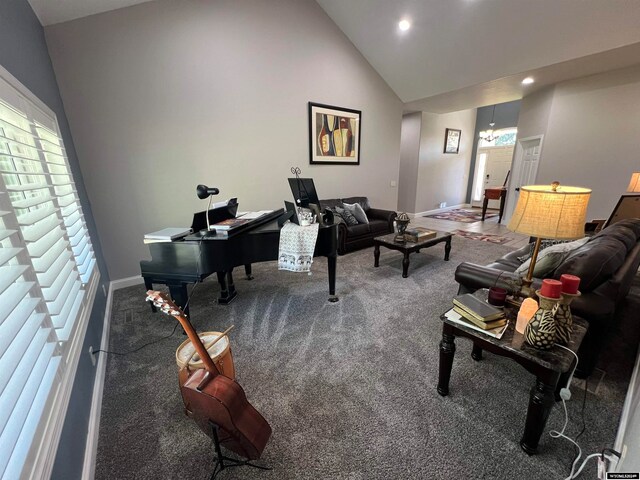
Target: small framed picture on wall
452,140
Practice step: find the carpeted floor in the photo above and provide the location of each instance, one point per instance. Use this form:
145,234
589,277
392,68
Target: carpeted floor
462,215
348,388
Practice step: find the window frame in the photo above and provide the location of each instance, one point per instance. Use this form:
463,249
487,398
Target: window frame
43,448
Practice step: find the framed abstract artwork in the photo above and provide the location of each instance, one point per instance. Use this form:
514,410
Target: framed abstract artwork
452,140
334,135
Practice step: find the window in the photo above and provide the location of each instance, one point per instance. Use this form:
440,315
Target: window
501,138
47,282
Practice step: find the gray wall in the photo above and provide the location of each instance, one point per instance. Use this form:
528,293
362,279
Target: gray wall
409,160
506,116
592,134
443,177
534,113
165,95
23,53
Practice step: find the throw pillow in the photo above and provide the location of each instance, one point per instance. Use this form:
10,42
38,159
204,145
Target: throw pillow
550,258
543,245
357,211
348,218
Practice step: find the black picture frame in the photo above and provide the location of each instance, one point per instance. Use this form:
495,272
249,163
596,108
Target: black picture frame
452,140
327,148
628,206
292,211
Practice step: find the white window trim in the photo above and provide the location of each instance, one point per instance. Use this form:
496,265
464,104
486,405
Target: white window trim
41,458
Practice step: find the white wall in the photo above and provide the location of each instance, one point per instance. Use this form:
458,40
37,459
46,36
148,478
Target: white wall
592,134
443,177
409,160
165,95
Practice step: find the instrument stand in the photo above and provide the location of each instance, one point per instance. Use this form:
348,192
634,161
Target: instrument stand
221,459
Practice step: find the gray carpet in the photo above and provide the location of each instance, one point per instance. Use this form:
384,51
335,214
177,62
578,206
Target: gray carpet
348,388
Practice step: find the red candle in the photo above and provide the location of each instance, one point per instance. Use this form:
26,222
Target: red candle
570,283
551,288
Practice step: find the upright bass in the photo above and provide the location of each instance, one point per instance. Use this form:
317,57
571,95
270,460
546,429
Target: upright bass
214,401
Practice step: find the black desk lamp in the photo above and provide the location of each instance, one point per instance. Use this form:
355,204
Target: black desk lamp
203,192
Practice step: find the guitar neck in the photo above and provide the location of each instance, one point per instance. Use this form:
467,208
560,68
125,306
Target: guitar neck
197,343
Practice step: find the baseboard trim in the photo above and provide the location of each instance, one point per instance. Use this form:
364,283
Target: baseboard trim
91,448
439,210
126,282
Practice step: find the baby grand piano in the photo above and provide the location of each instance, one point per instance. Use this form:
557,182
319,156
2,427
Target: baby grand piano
192,259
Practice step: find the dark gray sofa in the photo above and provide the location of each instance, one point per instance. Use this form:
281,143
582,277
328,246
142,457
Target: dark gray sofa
359,236
607,264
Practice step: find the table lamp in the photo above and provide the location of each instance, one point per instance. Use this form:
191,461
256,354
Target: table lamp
206,192
549,211
634,184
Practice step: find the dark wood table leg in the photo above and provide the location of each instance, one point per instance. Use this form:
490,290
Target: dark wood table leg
376,255
503,196
484,206
447,352
541,400
247,271
476,353
331,267
227,288
447,249
405,265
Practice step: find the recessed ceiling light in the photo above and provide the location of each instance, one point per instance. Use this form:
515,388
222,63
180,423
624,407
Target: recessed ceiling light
528,81
404,25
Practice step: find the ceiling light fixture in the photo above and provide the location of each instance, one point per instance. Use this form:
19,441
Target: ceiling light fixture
490,135
404,25
528,81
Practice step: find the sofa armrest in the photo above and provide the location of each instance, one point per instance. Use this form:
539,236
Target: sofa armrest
386,215
473,277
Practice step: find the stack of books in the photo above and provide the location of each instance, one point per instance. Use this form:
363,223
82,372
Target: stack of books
166,235
418,234
224,227
481,314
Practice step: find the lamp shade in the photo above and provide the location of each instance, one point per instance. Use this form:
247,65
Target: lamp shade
547,211
634,184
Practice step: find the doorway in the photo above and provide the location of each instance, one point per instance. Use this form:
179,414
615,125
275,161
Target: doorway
524,170
492,166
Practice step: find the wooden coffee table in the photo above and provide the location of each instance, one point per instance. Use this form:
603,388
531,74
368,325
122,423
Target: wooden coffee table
410,247
551,368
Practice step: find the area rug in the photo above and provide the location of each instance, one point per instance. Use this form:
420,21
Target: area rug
349,388
461,215
484,237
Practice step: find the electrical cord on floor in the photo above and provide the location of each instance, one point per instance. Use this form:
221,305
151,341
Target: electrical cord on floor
175,327
564,396
186,305
142,346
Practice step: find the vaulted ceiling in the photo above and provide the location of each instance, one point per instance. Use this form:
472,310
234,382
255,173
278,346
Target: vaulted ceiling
462,53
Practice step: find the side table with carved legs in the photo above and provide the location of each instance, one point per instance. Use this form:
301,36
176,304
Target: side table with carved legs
551,368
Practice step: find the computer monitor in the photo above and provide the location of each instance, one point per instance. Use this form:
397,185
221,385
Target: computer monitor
304,191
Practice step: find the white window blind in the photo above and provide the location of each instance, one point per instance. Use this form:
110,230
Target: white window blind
47,271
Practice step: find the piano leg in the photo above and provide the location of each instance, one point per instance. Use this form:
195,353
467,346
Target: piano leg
180,296
227,288
331,264
247,271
